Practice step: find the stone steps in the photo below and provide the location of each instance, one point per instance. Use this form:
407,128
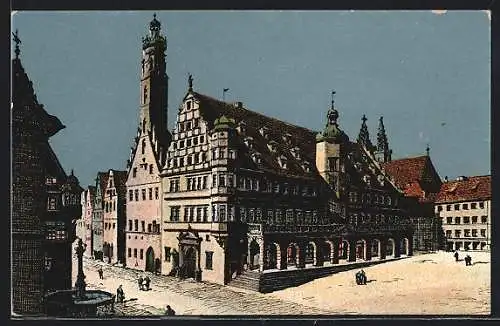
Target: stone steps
247,280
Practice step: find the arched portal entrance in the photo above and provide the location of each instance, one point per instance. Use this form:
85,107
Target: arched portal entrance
326,250
254,254
375,248
360,249
150,260
344,250
291,254
190,262
389,251
310,253
404,246
272,251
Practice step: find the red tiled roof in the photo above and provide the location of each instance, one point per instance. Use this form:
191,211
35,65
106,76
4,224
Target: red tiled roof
300,137
469,189
406,170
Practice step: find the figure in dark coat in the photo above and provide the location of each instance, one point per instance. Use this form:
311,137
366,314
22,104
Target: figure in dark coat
120,295
169,311
139,282
456,255
147,281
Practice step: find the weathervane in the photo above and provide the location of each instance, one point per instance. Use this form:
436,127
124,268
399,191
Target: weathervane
18,41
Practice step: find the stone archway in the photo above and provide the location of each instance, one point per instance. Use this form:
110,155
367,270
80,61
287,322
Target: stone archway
291,254
150,260
344,250
272,256
310,254
404,246
254,254
361,249
390,250
375,248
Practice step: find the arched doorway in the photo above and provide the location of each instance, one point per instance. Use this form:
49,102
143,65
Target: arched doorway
389,251
272,251
375,248
344,250
326,250
150,260
254,255
404,246
291,254
360,249
310,257
190,262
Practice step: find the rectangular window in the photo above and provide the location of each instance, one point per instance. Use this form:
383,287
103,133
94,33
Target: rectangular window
204,185
181,144
222,181
457,220
198,214
130,225
156,193
143,191
205,213
484,219
457,233
130,195
202,139
466,233
136,225
181,161
167,253
474,232
448,207
188,142
466,219
130,252
448,233
134,172
449,220
209,259
136,193
188,183
141,254
222,213
440,208
483,232
473,205
457,207
135,252
465,206
143,226
150,193
174,213
481,204
149,227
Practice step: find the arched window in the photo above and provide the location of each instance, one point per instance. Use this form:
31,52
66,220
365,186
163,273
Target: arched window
145,95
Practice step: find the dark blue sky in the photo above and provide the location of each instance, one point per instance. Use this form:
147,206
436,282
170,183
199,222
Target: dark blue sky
418,69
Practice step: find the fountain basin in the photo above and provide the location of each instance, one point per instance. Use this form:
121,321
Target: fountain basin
66,303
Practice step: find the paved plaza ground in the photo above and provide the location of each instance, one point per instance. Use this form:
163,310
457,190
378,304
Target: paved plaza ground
424,284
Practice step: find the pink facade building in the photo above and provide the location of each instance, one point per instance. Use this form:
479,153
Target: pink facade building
114,217
142,234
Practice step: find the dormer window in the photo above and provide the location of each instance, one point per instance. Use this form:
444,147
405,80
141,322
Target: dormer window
264,132
188,105
249,142
282,162
272,146
242,127
295,152
256,157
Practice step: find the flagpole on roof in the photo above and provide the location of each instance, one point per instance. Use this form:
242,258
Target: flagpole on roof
224,90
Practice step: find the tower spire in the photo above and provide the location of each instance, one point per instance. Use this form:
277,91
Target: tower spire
16,39
190,82
427,150
383,153
333,98
364,135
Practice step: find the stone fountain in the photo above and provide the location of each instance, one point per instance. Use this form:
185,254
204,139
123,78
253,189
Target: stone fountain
80,302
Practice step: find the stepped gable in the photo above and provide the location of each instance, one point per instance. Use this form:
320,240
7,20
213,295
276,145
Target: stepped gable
466,189
283,136
103,182
120,177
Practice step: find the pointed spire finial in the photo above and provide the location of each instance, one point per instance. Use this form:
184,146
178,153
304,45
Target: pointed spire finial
190,82
333,98
17,41
427,150
154,15
364,119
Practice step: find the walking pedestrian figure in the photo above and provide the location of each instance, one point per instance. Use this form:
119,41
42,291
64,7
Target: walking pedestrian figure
147,281
456,255
169,311
468,260
120,295
100,273
139,281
